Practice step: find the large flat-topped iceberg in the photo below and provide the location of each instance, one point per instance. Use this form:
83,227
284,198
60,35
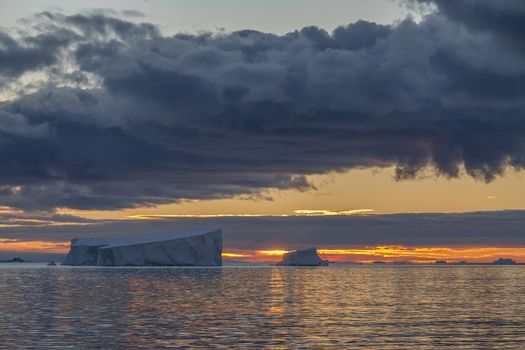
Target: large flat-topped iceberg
302,257
185,248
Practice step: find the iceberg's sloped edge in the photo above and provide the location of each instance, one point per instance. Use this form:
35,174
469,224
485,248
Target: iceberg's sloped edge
302,257
185,248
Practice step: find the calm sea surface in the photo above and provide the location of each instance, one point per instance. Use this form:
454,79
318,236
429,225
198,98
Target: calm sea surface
351,307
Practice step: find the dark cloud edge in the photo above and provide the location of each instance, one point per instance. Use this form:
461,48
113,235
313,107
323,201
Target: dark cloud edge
215,116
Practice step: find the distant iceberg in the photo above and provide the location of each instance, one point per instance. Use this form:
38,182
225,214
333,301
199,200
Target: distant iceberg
302,257
503,261
14,260
187,248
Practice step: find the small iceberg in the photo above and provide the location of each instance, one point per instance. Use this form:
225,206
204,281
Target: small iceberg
503,261
302,257
51,263
14,260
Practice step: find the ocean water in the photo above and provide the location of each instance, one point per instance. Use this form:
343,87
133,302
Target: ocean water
346,307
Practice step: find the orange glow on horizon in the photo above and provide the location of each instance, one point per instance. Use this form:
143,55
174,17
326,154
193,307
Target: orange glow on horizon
388,254
421,254
271,252
301,212
233,255
13,245
400,254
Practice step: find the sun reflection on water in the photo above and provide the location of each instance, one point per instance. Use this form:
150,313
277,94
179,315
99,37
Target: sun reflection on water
358,307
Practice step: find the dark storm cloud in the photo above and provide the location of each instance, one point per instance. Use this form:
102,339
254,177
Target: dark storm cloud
31,53
135,118
503,17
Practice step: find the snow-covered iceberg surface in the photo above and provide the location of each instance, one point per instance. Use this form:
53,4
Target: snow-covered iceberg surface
302,257
187,248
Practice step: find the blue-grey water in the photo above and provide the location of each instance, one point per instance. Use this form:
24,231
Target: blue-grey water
351,307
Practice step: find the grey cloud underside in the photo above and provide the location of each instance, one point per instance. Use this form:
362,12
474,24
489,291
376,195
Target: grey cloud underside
42,219
504,228
502,17
134,118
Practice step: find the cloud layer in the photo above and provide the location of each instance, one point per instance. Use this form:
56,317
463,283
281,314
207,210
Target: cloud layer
125,116
482,229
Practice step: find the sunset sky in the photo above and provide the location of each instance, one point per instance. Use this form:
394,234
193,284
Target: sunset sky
383,130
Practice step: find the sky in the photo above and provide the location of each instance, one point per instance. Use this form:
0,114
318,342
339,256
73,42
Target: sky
175,16
372,123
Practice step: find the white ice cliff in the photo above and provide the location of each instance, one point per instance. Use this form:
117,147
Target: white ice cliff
302,257
188,248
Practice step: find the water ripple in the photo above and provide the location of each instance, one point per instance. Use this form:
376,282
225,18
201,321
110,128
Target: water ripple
353,307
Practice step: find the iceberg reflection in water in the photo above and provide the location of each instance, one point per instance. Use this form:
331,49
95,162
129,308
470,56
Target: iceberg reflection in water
351,307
